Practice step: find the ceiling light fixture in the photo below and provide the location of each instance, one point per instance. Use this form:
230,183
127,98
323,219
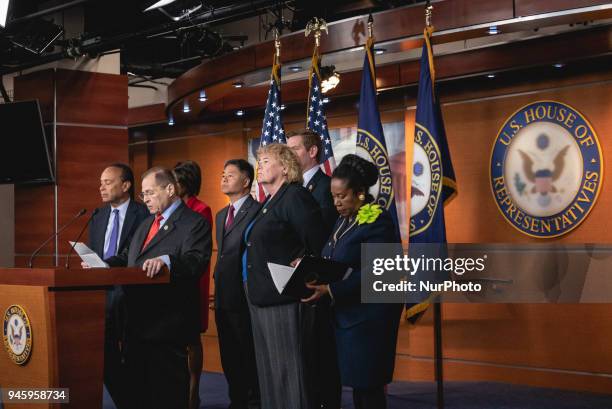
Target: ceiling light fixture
160,3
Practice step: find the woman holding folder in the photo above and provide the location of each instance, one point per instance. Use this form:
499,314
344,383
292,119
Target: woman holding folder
366,334
289,225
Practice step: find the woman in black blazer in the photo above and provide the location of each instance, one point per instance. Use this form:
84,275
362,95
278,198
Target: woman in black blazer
366,334
288,226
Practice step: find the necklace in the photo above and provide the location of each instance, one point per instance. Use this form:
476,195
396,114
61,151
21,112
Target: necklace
339,232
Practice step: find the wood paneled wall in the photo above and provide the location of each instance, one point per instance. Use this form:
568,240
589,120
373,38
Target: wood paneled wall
561,346
90,113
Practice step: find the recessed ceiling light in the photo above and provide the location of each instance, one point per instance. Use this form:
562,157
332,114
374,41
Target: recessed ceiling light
171,121
490,75
559,65
240,112
186,106
238,84
202,96
379,51
493,30
295,68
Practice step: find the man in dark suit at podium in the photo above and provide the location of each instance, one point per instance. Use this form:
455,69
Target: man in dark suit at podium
110,230
231,309
307,146
160,316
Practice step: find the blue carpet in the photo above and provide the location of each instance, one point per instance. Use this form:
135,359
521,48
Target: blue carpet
422,395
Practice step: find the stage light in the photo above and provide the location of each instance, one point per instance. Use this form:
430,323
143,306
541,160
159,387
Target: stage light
160,3
4,9
186,106
240,112
203,96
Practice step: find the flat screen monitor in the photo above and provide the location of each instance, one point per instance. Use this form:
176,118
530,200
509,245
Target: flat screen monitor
25,155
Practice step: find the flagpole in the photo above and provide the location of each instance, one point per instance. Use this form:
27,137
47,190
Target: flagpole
438,354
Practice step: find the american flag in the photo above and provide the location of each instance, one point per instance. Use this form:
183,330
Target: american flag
316,120
272,130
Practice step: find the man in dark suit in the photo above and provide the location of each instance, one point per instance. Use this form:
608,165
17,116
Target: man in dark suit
231,309
178,239
110,230
307,145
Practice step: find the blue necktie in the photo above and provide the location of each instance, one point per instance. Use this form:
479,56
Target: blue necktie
114,237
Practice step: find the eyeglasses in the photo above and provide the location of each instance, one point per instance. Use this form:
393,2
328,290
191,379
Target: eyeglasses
148,193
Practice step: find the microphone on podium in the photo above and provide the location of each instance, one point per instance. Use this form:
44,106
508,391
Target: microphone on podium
67,264
79,214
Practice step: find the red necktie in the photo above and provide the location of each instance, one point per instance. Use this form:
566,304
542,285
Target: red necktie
153,230
230,217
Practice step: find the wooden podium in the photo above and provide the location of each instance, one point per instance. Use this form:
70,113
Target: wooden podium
65,309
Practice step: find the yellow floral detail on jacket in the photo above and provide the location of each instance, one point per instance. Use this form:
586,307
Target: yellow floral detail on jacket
368,213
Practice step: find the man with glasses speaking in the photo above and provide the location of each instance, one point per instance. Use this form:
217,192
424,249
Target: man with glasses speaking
179,239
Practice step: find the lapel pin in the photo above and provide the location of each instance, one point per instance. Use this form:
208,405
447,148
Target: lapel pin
310,187
166,227
264,211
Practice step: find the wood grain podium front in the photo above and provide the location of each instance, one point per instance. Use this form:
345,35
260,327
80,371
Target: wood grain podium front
65,309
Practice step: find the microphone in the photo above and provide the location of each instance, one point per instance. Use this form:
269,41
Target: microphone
67,264
79,214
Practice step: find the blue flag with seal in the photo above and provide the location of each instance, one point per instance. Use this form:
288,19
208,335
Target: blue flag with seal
370,141
433,182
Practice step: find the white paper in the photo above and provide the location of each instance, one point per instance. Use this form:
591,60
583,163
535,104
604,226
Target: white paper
88,255
280,275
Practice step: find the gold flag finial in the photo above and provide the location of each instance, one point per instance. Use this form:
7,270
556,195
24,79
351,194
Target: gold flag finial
316,25
277,44
370,25
428,12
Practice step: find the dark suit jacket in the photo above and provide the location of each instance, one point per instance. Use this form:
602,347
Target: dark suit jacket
366,334
229,289
286,227
136,213
319,186
165,312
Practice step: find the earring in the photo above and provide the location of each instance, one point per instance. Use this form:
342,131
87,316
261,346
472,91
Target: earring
361,197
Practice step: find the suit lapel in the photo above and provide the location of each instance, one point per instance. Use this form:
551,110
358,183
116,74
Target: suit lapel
165,230
101,225
244,209
269,205
312,184
221,229
127,224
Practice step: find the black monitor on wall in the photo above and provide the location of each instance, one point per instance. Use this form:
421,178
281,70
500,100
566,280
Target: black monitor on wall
25,154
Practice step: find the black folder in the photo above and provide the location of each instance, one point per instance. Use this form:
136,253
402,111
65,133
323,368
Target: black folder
311,268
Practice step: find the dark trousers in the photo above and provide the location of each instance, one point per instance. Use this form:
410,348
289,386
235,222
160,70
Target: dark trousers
114,366
238,358
327,374
370,398
158,376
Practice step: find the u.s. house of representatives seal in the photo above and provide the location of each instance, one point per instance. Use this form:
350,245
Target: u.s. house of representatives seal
546,169
427,180
17,334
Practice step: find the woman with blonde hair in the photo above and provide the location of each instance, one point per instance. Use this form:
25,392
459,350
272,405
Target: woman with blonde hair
288,226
